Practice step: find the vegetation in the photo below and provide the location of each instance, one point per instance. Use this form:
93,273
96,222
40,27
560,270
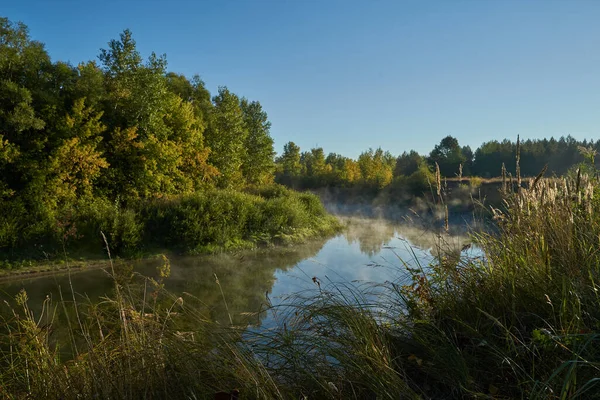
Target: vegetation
521,322
132,150
130,157
377,169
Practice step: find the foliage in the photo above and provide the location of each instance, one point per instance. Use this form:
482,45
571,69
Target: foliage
407,163
289,162
258,165
111,138
520,323
208,221
226,137
448,155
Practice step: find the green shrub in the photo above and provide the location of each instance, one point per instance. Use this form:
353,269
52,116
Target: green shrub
121,226
475,182
312,204
270,191
420,181
198,222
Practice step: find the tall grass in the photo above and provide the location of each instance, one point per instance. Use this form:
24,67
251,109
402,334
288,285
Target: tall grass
521,322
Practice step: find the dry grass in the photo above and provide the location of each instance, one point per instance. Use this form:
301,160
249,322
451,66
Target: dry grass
523,322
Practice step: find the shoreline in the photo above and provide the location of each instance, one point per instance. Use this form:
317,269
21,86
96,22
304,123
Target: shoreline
42,270
51,268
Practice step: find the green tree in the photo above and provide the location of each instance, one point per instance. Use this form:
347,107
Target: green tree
258,165
407,164
154,140
376,167
24,74
290,160
448,155
77,162
226,137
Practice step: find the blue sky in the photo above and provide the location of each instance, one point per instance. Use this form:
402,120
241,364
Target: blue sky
349,75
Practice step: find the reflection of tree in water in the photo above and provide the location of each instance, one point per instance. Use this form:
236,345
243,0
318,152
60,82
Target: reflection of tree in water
373,234
370,235
244,279
438,242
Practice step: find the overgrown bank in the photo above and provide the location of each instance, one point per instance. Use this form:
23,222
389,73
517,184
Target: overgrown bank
146,156
203,222
523,322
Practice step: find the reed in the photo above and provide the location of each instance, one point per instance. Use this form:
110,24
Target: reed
519,320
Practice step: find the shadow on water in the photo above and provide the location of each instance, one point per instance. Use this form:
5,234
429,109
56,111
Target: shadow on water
244,277
368,251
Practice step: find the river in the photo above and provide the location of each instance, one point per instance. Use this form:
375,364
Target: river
368,251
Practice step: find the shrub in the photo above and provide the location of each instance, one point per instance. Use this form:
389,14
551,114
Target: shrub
421,180
270,191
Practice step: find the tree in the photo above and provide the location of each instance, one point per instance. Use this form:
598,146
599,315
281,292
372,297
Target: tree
290,160
154,141
448,155
468,164
77,162
376,167
226,137
24,75
407,164
258,164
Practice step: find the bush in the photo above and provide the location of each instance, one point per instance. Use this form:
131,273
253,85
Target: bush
190,222
420,181
200,222
475,182
270,191
121,226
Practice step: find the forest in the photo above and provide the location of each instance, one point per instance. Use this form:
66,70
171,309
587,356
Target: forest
106,146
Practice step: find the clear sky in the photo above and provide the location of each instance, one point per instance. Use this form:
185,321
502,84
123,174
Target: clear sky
348,75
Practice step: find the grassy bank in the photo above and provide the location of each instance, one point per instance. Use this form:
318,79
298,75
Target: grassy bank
205,222
522,323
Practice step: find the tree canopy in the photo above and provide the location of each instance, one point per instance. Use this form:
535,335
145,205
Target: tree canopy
122,129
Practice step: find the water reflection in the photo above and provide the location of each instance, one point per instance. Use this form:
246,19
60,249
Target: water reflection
373,235
244,279
367,251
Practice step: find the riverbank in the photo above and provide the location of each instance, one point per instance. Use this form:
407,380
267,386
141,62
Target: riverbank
202,223
523,323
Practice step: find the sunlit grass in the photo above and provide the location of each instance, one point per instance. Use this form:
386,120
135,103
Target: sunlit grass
522,322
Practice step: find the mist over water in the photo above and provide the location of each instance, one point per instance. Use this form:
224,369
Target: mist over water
368,251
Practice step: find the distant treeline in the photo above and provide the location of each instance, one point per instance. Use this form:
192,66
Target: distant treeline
411,170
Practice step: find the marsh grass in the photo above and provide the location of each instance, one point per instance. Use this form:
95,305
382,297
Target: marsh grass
138,342
521,321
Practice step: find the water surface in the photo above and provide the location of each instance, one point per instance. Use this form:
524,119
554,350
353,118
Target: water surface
372,251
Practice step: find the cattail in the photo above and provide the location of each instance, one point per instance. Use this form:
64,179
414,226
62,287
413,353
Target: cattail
503,179
438,179
518,171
